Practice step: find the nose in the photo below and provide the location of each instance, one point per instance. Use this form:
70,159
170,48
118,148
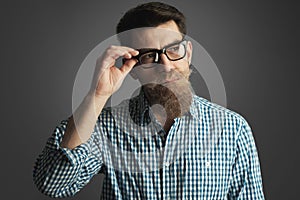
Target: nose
167,64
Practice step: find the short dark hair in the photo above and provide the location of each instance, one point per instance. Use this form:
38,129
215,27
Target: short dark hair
151,14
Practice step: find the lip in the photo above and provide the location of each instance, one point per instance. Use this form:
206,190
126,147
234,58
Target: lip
170,80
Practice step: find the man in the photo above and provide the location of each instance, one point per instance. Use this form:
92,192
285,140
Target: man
164,143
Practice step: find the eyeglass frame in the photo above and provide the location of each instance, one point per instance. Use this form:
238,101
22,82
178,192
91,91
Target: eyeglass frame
158,53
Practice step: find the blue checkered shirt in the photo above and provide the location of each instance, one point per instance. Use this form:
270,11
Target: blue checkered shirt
209,153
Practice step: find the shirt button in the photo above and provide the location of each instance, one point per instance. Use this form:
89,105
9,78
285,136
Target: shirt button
161,133
207,164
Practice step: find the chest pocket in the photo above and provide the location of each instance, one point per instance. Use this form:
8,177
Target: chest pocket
208,178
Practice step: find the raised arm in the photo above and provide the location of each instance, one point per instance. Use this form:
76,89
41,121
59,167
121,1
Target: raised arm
107,80
72,155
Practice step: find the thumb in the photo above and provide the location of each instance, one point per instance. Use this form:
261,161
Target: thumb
128,65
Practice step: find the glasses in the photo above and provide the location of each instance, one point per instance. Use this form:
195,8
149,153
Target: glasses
174,51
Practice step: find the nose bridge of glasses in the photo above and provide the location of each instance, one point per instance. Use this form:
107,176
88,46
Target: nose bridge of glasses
156,55
159,53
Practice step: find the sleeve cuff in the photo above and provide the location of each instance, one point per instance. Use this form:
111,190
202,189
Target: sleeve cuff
76,155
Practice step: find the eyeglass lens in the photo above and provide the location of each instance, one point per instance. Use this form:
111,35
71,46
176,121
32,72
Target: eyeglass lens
174,52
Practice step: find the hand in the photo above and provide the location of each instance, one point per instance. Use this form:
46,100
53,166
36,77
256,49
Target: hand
107,77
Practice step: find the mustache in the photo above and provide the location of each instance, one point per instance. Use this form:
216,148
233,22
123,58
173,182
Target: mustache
173,75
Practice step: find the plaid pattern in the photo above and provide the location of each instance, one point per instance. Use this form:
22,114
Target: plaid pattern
209,153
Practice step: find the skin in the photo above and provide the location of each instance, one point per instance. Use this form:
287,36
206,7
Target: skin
108,78
168,71
164,34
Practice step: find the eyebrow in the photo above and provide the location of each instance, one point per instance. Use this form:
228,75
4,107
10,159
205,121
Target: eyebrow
143,50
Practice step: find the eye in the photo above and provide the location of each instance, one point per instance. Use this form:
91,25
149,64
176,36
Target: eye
148,57
174,48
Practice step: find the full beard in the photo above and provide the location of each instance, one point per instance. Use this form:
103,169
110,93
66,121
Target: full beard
175,97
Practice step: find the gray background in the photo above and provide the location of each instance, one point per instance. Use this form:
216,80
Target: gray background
253,43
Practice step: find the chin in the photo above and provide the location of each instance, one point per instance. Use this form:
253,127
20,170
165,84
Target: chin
175,97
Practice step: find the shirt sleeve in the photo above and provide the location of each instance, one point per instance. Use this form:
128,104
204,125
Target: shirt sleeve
246,175
62,172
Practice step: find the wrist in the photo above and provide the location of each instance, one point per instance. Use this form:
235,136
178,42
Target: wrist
97,97
98,101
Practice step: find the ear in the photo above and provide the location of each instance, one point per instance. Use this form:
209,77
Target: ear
189,51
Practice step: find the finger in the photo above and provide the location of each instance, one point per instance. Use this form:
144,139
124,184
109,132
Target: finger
128,50
113,54
128,65
110,57
134,52
129,54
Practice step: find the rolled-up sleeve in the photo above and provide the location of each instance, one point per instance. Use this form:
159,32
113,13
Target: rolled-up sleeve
62,172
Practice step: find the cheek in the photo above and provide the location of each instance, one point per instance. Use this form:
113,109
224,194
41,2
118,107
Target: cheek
183,68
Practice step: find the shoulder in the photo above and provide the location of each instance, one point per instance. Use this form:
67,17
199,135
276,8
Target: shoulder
204,106
210,112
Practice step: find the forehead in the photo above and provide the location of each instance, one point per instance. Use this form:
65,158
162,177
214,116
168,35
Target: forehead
154,37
